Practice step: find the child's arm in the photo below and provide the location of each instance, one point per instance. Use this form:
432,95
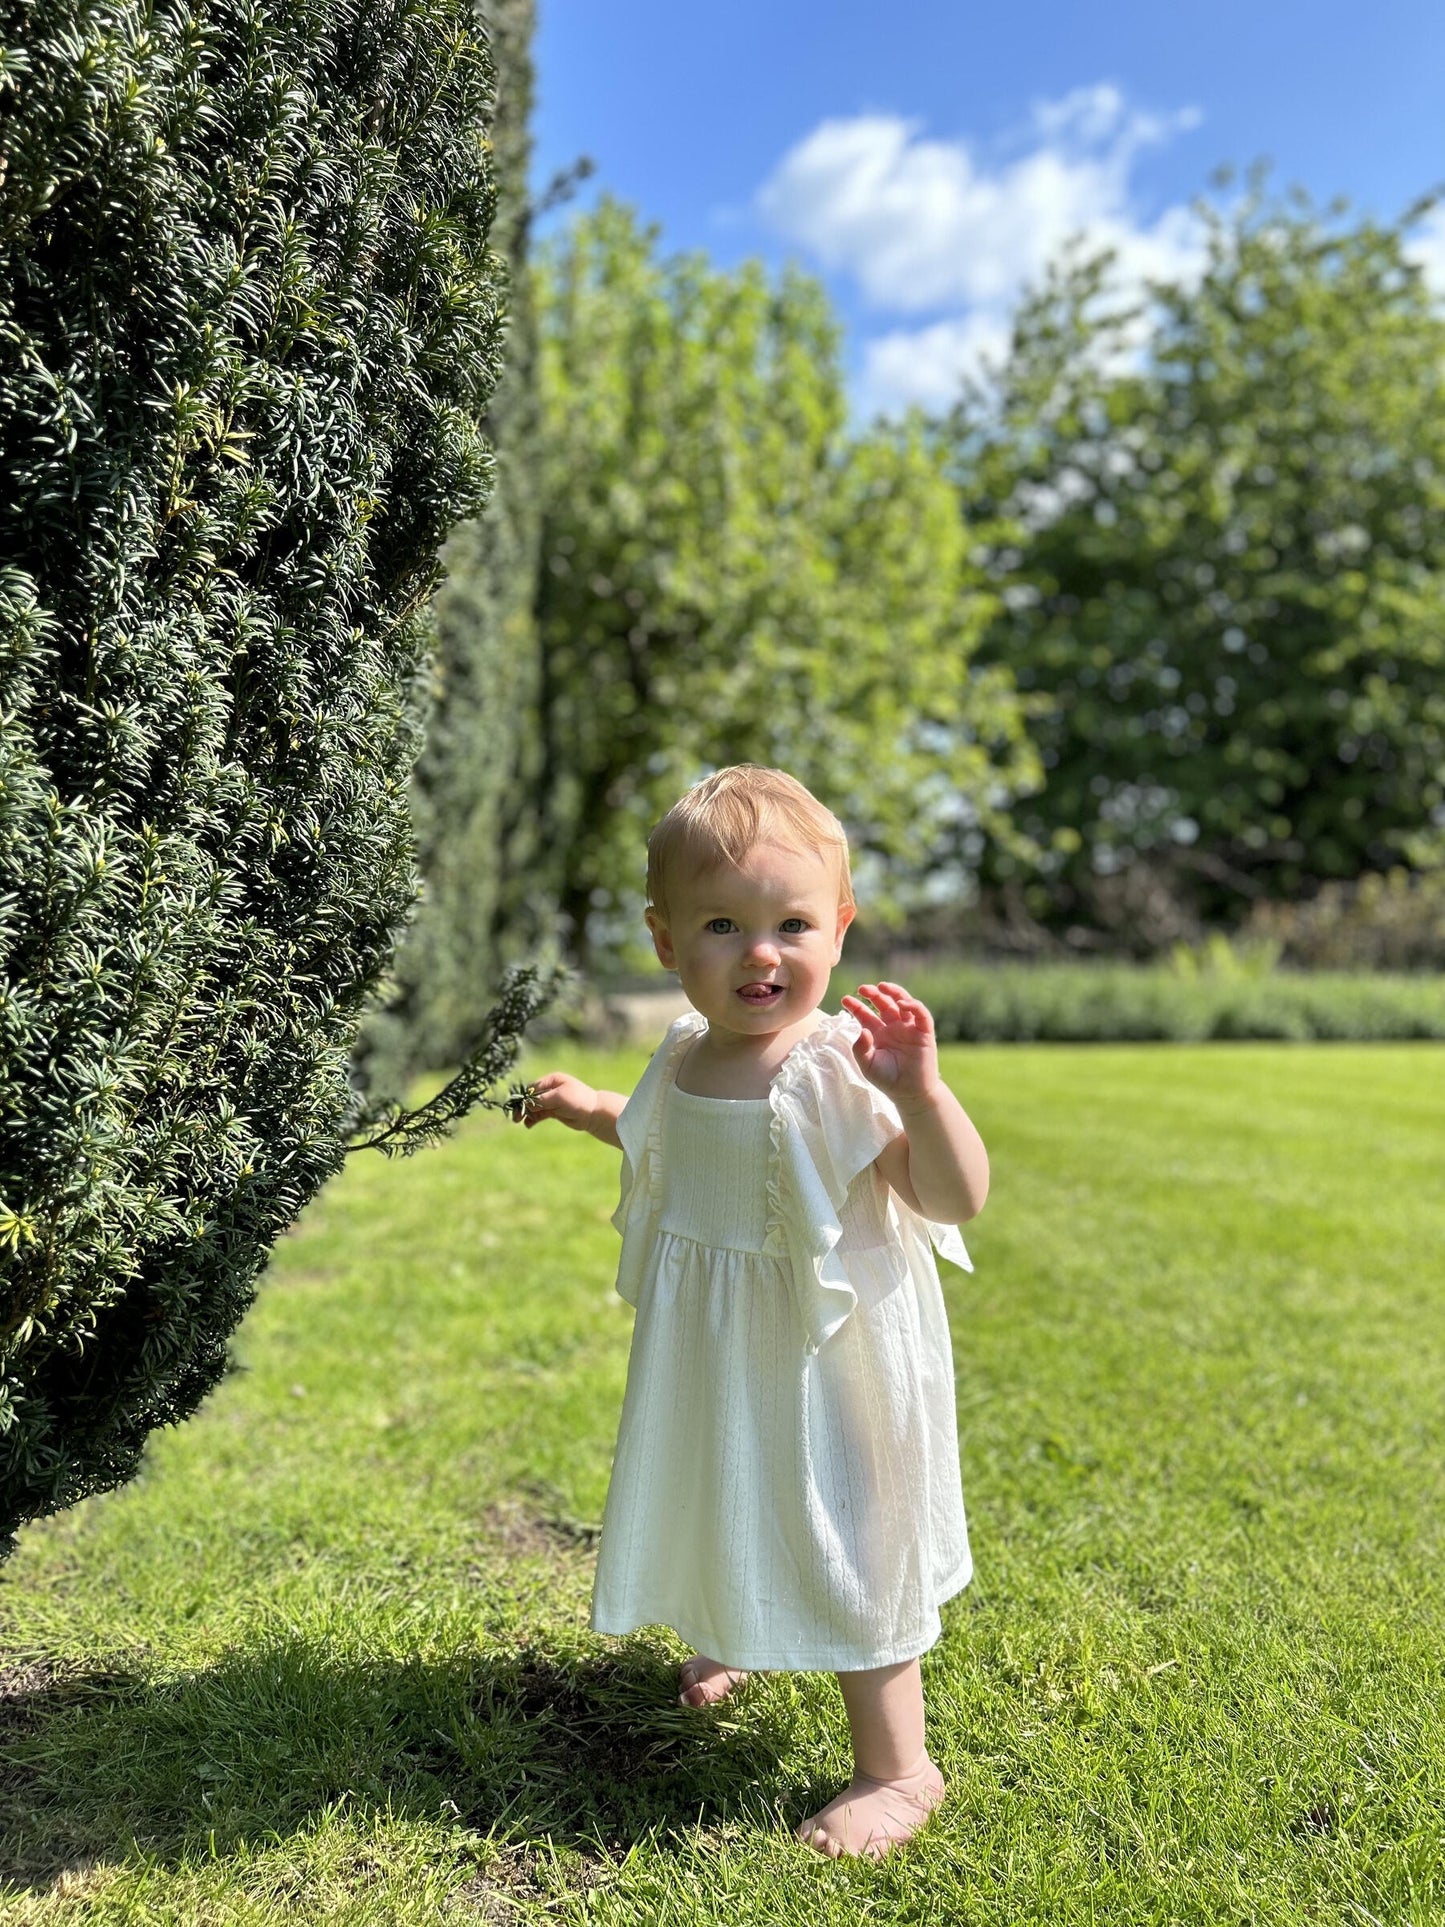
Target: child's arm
575,1104
939,1166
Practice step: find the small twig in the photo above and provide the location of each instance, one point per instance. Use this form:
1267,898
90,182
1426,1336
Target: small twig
397,1132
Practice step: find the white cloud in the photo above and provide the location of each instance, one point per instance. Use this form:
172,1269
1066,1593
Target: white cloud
928,365
1092,116
926,227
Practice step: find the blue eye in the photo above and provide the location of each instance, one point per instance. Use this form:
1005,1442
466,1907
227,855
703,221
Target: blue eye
719,926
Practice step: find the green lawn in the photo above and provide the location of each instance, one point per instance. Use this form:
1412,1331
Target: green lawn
328,1657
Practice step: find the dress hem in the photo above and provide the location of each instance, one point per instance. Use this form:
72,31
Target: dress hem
855,1661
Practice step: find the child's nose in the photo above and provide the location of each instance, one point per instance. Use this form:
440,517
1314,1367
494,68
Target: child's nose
762,947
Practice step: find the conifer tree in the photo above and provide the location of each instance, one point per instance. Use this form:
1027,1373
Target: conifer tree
248,322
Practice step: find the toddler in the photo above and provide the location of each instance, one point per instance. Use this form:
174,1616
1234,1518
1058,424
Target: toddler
785,1490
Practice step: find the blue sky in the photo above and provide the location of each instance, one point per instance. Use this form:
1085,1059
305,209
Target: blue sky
926,168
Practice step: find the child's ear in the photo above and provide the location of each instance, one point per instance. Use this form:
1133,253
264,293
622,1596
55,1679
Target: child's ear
661,941
846,914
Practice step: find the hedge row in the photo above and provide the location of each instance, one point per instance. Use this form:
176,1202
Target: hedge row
1113,1003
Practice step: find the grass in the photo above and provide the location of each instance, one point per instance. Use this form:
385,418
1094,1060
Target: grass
328,1657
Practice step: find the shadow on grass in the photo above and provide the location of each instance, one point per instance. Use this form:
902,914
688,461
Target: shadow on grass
589,1749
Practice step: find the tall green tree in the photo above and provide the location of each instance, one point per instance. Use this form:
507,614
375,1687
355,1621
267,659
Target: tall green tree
249,319
729,573
1222,570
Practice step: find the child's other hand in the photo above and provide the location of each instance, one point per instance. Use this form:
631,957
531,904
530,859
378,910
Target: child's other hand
567,1099
897,1049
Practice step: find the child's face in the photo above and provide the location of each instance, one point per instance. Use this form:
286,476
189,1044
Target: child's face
774,920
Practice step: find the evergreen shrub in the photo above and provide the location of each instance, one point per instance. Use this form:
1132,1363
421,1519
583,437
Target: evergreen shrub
248,322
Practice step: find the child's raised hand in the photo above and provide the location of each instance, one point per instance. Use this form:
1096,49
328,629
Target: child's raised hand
896,1049
567,1099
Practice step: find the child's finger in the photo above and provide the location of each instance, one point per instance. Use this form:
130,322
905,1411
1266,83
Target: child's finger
861,1011
543,1097
880,995
871,1023
910,1006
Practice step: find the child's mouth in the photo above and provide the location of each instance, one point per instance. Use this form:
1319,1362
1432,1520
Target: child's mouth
761,994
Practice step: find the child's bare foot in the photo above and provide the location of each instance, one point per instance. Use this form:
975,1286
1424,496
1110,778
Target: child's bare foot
871,1817
706,1680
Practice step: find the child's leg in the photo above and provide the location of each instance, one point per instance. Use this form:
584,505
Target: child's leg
705,1680
895,1785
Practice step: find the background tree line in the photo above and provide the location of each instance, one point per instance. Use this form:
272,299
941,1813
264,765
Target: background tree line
1140,640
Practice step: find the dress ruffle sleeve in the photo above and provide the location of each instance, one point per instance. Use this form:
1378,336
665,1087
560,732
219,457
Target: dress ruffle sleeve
639,1126
829,1123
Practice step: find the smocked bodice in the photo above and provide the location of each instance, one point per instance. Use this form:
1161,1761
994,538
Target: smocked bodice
773,1175
715,1169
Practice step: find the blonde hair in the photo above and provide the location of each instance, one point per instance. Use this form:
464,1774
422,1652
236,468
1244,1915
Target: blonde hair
728,813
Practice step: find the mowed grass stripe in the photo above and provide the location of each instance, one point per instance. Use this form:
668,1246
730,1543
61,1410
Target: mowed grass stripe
328,1658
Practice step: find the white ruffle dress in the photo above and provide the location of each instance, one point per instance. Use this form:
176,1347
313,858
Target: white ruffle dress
785,1491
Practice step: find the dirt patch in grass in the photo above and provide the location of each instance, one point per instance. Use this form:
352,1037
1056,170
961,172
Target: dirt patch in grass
25,1687
517,1877
519,1528
30,1689
85,1877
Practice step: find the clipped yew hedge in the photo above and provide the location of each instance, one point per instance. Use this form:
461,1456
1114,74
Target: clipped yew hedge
248,322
